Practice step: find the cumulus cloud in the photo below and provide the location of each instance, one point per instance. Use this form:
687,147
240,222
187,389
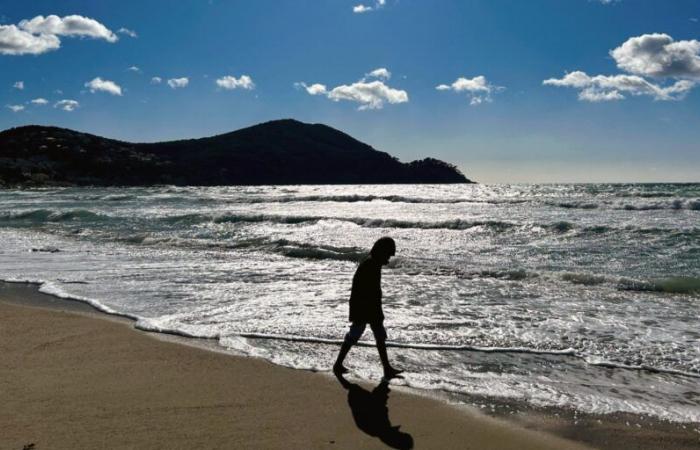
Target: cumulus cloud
39,101
369,94
15,108
361,8
673,66
19,85
72,25
381,73
100,85
14,41
613,87
67,105
134,69
314,89
658,55
41,34
230,82
127,32
478,89
156,80
178,82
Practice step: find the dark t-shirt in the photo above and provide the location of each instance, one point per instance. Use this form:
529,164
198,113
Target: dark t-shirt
366,295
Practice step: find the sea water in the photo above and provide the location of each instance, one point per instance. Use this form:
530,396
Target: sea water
576,296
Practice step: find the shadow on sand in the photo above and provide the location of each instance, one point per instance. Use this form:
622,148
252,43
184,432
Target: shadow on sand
371,413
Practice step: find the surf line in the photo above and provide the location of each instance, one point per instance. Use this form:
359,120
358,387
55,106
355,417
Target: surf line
473,348
145,324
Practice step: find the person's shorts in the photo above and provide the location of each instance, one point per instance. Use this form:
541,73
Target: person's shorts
358,328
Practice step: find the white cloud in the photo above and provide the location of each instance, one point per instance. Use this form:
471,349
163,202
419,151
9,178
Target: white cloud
41,34
67,105
98,84
19,85
178,82
380,73
229,82
15,108
314,89
593,95
134,69
613,87
156,80
461,84
39,101
369,94
361,8
658,55
478,89
72,25
127,32
14,41
654,55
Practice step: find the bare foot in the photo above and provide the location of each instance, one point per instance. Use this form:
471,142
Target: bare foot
392,373
340,369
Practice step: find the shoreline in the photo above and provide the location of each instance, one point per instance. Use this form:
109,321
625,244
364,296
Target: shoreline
512,424
62,390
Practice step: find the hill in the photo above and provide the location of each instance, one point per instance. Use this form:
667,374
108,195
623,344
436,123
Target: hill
276,152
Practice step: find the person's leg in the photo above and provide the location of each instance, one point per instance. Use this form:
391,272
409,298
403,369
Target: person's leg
383,356
338,367
380,338
351,338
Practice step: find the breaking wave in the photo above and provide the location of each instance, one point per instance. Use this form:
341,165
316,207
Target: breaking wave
693,205
670,285
37,216
40,216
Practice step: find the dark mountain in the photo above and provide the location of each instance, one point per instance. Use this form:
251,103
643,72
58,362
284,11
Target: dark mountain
277,152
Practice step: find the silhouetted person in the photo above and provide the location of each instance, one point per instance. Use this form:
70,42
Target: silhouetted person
366,305
371,414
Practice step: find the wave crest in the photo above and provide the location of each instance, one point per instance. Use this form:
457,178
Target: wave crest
37,216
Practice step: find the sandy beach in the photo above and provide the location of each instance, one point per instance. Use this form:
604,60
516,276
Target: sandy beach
73,378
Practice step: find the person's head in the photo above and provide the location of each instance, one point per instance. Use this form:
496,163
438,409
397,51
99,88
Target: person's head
383,249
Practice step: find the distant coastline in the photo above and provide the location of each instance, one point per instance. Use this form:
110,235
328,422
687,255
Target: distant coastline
279,152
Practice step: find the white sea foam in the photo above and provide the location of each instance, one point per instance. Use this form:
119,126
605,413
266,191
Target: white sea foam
52,288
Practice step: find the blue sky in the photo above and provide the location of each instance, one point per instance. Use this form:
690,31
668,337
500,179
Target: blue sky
629,109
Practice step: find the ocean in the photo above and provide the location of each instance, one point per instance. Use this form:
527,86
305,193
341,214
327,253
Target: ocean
582,296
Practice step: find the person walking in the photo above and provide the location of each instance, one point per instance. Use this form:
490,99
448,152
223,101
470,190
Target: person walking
366,306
